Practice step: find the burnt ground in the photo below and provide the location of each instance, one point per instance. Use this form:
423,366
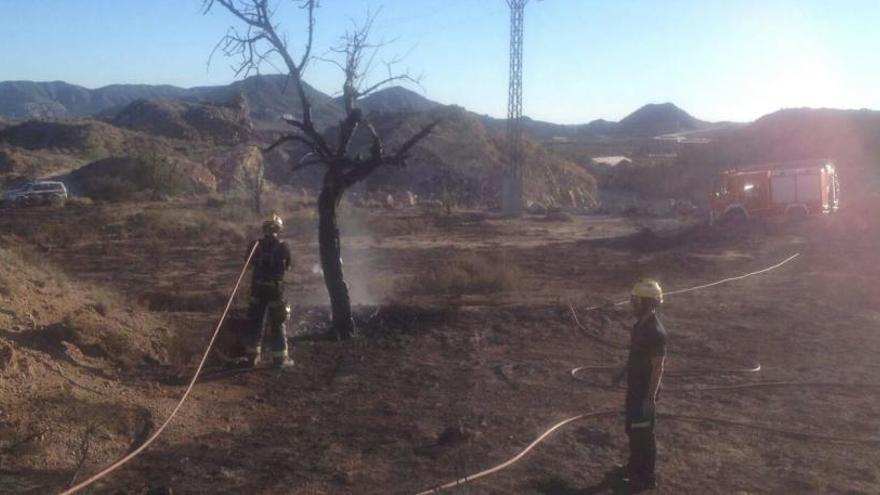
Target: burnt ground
456,369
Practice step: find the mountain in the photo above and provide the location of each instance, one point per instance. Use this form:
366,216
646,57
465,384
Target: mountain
57,99
651,120
269,96
658,119
396,99
599,126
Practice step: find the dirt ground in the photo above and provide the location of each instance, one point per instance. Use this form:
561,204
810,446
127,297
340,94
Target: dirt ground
465,347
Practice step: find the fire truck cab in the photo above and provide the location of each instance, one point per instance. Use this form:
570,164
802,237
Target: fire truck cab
791,190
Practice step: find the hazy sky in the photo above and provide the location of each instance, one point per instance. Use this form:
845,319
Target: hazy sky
584,59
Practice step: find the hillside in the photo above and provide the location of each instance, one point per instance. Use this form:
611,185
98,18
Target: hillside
270,96
646,122
221,124
57,99
460,159
105,161
849,137
656,119
67,350
396,99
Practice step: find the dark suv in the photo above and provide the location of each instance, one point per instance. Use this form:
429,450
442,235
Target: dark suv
35,193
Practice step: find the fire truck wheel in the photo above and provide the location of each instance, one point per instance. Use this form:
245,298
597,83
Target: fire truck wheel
796,215
734,217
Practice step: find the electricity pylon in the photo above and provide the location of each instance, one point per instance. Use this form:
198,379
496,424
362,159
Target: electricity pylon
512,181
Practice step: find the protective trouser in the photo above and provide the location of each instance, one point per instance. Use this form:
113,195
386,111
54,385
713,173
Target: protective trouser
642,444
272,313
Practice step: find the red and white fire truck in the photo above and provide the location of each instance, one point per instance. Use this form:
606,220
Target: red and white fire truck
789,190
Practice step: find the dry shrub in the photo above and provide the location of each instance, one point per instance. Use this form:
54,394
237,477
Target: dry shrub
79,202
185,301
165,225
468,273
183,347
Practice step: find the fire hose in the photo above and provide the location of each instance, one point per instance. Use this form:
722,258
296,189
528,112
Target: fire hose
116,465
589,415
751,369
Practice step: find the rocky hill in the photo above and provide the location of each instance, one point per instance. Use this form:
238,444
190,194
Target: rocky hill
397,99
657,119
461,159
221,124
165,147
271,96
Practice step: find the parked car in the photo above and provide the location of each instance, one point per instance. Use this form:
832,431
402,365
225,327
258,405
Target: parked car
36,193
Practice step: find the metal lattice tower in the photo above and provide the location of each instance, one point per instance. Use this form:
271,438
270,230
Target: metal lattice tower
512,184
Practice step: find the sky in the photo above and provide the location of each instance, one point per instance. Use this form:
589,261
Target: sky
583,59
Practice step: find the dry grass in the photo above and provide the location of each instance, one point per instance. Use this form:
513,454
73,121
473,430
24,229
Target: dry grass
468,273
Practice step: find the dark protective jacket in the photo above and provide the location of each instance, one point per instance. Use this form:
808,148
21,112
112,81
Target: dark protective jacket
270,262
648,341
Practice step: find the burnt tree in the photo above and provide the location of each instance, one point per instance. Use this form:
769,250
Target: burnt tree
258,43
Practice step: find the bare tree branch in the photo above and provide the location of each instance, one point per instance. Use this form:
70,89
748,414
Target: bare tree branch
287,139
303,164
387,80
310,6
346,131
257,15
399,158
356,55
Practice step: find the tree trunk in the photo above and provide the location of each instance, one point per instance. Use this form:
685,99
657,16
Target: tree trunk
258,195
331,262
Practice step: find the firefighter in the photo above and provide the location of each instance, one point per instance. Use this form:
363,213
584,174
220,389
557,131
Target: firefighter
271,260
643,371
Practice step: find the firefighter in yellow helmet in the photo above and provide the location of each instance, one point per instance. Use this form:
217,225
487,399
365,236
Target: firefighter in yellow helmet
644,369
268,308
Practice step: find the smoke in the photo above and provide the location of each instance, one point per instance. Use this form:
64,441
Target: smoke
366,284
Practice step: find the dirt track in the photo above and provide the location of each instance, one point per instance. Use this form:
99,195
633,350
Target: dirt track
440,386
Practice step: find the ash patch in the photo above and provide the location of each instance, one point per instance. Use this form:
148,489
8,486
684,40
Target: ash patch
372,322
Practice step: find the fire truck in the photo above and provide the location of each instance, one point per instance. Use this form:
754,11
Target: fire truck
789,190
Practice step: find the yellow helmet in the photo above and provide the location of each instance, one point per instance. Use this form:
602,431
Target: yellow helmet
649,289
273,225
